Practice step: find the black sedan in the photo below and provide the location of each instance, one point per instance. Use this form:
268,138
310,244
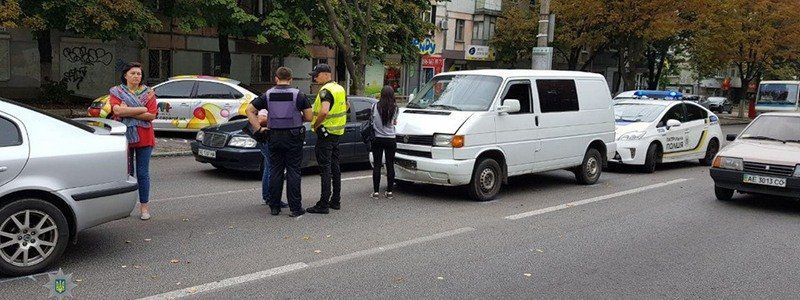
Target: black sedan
226,146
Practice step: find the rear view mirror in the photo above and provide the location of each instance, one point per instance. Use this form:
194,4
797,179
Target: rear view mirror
411,97
673,123
731,137
509,106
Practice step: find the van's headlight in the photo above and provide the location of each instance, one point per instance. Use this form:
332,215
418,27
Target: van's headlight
200,135
731,163
632,136
797,171
242,142
448,140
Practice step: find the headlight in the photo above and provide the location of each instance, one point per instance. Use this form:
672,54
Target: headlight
632,136
200,135
731,163
242,142
797,171
448,140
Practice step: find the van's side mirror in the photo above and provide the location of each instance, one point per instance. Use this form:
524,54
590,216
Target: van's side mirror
731,137
509,106
410,97
673,123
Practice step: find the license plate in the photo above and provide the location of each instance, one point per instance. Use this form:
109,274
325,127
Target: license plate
405,164
762,180
207,153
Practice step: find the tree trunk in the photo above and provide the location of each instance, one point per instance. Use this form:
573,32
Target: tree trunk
45,56
617,80
739,94
224,55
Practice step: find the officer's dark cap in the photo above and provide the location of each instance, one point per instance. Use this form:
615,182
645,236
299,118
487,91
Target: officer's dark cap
320,68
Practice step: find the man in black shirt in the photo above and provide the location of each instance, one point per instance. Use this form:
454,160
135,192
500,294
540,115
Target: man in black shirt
287,109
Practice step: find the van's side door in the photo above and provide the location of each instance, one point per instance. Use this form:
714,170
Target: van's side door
517,133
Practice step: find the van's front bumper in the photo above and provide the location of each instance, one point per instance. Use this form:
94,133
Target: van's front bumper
630,153
447,172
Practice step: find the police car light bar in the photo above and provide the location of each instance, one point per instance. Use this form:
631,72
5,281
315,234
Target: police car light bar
667,95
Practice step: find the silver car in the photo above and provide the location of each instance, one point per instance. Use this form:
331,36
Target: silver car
57,177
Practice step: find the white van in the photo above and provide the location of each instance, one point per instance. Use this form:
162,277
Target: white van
477,128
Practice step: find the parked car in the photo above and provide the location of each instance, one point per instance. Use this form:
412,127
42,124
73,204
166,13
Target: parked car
718,104
763,159
647,94
227,146
57,178
192,102
651,132
477,128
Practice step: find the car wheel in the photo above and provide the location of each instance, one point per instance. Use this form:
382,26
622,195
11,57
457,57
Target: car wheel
653,157
723,194
589,172
711,152
486,180
33,235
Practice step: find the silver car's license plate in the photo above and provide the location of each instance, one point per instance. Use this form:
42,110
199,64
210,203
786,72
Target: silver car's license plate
763,180
207,153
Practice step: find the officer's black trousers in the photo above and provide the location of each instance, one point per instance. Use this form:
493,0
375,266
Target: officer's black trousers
286,154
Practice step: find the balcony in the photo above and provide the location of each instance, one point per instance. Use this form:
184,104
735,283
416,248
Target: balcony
488,7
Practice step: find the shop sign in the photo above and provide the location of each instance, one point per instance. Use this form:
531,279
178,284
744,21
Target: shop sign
482,53
433,62
426,46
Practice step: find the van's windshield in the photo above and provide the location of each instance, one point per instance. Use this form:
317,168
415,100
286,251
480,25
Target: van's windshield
458,92
777,93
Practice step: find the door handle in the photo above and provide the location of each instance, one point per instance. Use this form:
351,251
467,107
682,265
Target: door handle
184,104
687,131
3,169
537,120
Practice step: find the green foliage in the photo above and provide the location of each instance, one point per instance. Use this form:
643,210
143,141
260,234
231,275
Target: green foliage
101,19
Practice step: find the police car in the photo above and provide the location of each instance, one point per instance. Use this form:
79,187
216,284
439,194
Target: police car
651,132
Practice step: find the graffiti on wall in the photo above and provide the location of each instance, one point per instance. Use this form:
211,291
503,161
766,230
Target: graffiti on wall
88,69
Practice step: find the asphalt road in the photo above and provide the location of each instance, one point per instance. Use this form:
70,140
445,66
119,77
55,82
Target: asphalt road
632,235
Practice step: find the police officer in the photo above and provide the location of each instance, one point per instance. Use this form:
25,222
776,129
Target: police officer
287,109
328,122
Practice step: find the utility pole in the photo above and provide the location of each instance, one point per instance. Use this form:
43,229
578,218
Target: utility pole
542,55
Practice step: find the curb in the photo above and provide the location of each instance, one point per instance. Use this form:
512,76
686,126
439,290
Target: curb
172,154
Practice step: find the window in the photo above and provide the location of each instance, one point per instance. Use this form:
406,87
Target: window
212,64
175,90
213,90
477,30
262,69
492,27
674,113
460,30
316,61
694,112
363,110
160,64
557,95
11,135
522,92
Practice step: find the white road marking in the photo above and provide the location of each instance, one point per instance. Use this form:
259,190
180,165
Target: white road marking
385,248
240,191
228,282
233,281
592,200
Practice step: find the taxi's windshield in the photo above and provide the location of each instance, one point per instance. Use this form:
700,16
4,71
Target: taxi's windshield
458,92
636,112
777,93
775,128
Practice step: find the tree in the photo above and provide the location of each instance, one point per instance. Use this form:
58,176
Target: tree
9,13
363,29
577,33
223,15
513,39
755,36
287,26
99,19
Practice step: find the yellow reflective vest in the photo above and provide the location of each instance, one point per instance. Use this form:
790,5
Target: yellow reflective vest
337,116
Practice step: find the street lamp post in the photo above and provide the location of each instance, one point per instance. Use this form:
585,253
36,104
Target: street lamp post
542,55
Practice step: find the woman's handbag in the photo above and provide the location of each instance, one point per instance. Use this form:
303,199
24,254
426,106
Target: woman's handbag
366,129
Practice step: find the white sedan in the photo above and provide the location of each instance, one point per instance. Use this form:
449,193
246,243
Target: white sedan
651,132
